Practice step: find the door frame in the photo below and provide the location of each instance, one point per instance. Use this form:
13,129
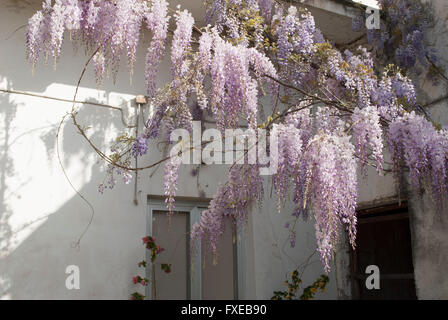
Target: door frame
194,281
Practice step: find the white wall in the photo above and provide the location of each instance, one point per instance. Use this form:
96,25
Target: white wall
41,216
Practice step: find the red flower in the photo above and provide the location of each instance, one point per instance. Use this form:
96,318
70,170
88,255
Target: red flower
135,279
166,267
145,239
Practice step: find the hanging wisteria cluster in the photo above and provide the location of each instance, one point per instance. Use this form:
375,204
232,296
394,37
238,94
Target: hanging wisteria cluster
109,27
414,141
330,110
401,34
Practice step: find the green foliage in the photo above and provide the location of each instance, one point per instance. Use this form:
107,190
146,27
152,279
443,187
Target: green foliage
291,293
155,249
166,267
137,296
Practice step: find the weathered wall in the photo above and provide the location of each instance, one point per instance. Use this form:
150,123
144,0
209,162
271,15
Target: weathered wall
429,226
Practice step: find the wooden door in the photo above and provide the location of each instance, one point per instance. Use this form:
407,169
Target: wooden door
384,240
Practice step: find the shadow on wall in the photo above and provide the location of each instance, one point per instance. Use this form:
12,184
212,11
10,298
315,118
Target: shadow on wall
7,114
106,257
35,268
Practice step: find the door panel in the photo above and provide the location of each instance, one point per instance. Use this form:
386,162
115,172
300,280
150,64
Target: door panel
218,279
172,236
384,240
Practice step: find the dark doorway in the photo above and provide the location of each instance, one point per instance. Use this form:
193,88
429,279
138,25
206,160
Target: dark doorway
384,240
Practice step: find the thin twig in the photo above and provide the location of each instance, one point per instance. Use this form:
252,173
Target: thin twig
14,32
436,101
77,243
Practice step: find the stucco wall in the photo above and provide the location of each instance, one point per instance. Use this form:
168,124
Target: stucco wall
41,216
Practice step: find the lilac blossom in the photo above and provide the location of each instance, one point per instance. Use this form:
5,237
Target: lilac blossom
367,133
404,34
157,21
204,59
289,157
139,147
232,201
333,188
171,174
57,28
73,13
423,149
181,43
234,89
295,34
35,36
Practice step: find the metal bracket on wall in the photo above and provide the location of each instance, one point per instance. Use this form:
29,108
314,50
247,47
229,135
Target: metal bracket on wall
140,101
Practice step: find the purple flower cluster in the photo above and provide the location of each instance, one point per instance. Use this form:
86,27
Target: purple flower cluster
391,92
266,8
414,141
35,36
404,88
234,90
171,175
332,185
232,201
180,48
111,26
295,33
139,147
204,60
157,21
181,43
367,132
111,172
403,35
289,157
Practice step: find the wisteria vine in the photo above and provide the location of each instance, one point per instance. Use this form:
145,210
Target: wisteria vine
401,37
330,110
